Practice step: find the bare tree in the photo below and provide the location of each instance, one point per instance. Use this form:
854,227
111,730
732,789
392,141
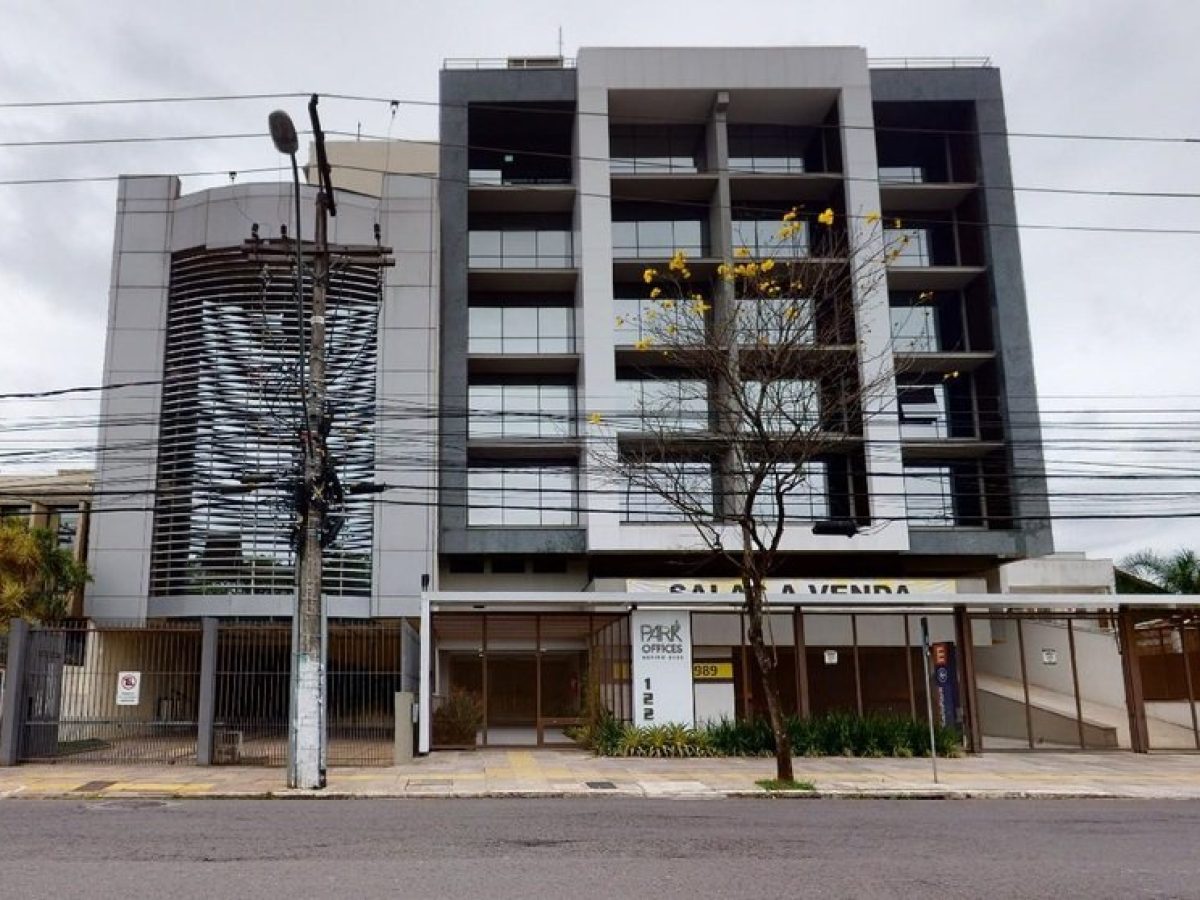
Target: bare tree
750,377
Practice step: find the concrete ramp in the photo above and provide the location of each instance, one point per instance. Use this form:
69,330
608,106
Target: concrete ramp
1002,713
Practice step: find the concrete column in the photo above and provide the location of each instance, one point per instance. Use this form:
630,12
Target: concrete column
208,692
13,702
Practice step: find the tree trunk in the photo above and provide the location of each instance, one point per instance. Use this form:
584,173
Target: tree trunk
754,589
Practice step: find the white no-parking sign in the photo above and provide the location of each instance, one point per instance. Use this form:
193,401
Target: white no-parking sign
129,688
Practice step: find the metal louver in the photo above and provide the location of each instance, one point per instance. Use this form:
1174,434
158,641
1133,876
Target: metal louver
229,455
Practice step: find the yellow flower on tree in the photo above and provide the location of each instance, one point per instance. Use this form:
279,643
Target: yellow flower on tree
672,330
649,275
620,321
871,218
742,252
790,230
790,215
668,303
642,344
678,262
826,218
896,223
767,265
699,307
595,418
655,293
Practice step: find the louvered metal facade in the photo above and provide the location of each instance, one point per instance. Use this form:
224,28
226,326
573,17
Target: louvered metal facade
229,458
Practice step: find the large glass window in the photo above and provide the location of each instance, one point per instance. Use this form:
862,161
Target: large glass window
805,491
929,495
659,404
667,492
767,148
520,249
774,320
521,496
658,239
761,238
901,175
640,317
522,410
784,406
656,149
522,329
915,329
923,411
907,246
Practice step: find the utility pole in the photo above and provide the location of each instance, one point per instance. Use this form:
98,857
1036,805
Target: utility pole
319,487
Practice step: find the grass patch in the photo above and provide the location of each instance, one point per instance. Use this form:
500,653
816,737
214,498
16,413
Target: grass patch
774,784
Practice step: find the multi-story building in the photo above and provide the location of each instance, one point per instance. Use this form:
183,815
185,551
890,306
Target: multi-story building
465,378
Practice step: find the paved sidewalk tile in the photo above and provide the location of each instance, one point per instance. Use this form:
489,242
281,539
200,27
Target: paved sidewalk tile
574,773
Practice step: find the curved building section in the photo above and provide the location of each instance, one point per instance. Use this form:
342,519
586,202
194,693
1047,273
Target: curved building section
200,453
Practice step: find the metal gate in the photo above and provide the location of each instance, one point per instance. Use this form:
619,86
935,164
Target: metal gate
113,695
253,689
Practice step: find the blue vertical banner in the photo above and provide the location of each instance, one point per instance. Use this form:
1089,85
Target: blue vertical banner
945,682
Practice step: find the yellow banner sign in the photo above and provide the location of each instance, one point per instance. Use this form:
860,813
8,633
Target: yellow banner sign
799,586
712,671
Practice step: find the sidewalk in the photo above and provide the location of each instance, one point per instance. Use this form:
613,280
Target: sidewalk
555,773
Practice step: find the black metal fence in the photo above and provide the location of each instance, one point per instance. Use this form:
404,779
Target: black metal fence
136,695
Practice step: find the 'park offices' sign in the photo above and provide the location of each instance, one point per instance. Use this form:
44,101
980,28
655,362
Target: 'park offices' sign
799,586
662,666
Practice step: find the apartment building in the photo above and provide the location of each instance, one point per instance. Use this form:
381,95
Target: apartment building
467,377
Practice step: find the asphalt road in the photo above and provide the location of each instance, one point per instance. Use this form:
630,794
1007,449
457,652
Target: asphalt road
698,849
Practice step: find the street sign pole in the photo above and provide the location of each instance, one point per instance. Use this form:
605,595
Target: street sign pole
928,694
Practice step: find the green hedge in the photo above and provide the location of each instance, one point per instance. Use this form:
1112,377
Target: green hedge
831,734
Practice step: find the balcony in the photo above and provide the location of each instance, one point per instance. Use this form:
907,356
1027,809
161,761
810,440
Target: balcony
515,260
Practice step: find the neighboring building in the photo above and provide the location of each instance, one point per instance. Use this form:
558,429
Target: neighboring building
533,584
60,502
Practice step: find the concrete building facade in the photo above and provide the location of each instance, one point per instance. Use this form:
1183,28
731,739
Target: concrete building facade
468,376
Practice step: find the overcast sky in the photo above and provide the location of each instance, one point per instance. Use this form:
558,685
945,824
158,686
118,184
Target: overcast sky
1114,316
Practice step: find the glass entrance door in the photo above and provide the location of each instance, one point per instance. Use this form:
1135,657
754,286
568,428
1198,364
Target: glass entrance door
563,678
512,711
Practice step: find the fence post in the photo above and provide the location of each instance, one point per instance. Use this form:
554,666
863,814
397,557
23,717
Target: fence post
14,690
208,691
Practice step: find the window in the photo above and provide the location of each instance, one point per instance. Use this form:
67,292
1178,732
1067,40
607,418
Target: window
640,317
658,239
662,404
656,149
774,320
65,522
788,406
915,329
907,246
761,238
806,497
767,148
901,175
923,411
520,249
521,410
14,511
648,491
929,496
522,329
530,496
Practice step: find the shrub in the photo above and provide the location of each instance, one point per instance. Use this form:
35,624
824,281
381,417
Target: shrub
457,719
828,734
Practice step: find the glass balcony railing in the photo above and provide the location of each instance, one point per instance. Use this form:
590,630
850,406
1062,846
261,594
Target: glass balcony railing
521,250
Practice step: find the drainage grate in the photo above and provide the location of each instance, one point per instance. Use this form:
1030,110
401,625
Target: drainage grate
601,785
93,786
